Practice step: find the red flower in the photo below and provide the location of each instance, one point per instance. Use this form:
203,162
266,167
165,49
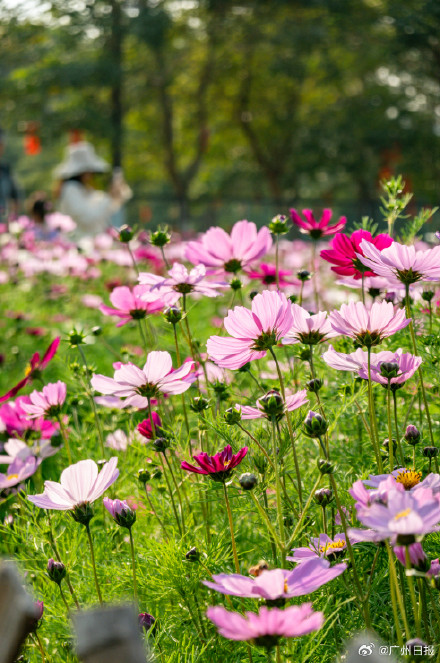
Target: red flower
35,365
343,252
218,467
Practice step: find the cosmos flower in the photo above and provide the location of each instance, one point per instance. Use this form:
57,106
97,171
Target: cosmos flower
17,423
36,365
278,583
46,403
218,467
405,364
322,547
18,449
253,332
230,253
180,282
307,328
265,409
368,326
345,252
268,626
317,229
132,304
120,511
400,263
266,273
145,428
138,385
18,471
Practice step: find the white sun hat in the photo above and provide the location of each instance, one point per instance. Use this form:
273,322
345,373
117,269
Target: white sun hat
80,158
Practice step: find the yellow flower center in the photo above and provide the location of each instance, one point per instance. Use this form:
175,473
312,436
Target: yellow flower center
28,370
285,586
334,545
402,514
12,477
409,478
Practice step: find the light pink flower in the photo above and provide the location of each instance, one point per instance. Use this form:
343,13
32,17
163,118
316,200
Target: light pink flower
254,332
401,263
18,449
19,470
308,329
230,253
368,326
117,440
139,385
80,483
180,282
291,402
132,304
47,402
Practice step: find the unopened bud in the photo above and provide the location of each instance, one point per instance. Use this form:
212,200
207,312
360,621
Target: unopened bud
192,555
161,444
323,496
199,404
272,403
146,621
161,237
248,481
304,275
126,234
314,385
412,435
232,415
325,466
56,571
430,452
236,284
315,425
427,295
172,314
279,225
143,476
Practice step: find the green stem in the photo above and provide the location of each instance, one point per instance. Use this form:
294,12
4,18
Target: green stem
278,493
170,492
231,529
65,438
143,337
92,400
179,497
277,276
396,426
64,598
266,519
133,565
412,593
390,429
303,513
40,646
179,363
92,557
373,428
393,578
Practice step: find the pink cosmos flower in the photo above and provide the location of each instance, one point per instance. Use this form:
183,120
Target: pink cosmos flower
17,423
79,484
118,440
357,361
400,263
322,547
417,555
317,229
218,467
233,252
19,470
131,304
266,273
368,326
345,252
121,512
406,515
180,283
35,366
278,583
266,627
254,332
47,402
18,449
308,329
138,386
262,409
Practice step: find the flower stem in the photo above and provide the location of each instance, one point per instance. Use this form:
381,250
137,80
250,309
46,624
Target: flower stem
65,438
179,363
57,555
92,400
231,528
92,557
278,493
373,427
179,497
143,337
277,269
390,429
303,513
315,286
133,565
412,592
40,647
396,425
64,598
393,578
265,517
170,492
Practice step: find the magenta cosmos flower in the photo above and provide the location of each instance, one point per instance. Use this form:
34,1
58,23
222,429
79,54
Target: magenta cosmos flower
47,402
368,326
406,516
80,484
254,332
278,583
267,274
273,404
120,511
19,470
230,253
17,423
345,252
36,365
317,229
308,329
138,386
401,263
180,283
145,428
268,626
218,467
128,304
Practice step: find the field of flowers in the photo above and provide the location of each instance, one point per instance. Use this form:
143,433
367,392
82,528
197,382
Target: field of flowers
238,433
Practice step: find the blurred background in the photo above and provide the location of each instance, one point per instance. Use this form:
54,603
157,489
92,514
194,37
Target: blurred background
218,110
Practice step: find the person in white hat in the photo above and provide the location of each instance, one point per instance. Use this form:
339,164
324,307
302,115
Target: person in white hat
92,210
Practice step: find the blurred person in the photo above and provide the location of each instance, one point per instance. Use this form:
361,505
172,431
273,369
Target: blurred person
93,211
8,190
38,207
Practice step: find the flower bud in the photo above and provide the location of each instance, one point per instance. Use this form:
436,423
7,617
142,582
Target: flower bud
386,445
427,295
143,476
374,292
325,466
430,452
248,481
161,444
304,275
76,338
83,513
125,234
305,354
390,297
253,294
161,237
56,571
314,424
199,404
121,512
172,314
293,298
236,284
35,620
314,385
272,403
389,369
221,391
146,621
417,650
232,415
412,435
192,555
96,331
279,225
323,496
